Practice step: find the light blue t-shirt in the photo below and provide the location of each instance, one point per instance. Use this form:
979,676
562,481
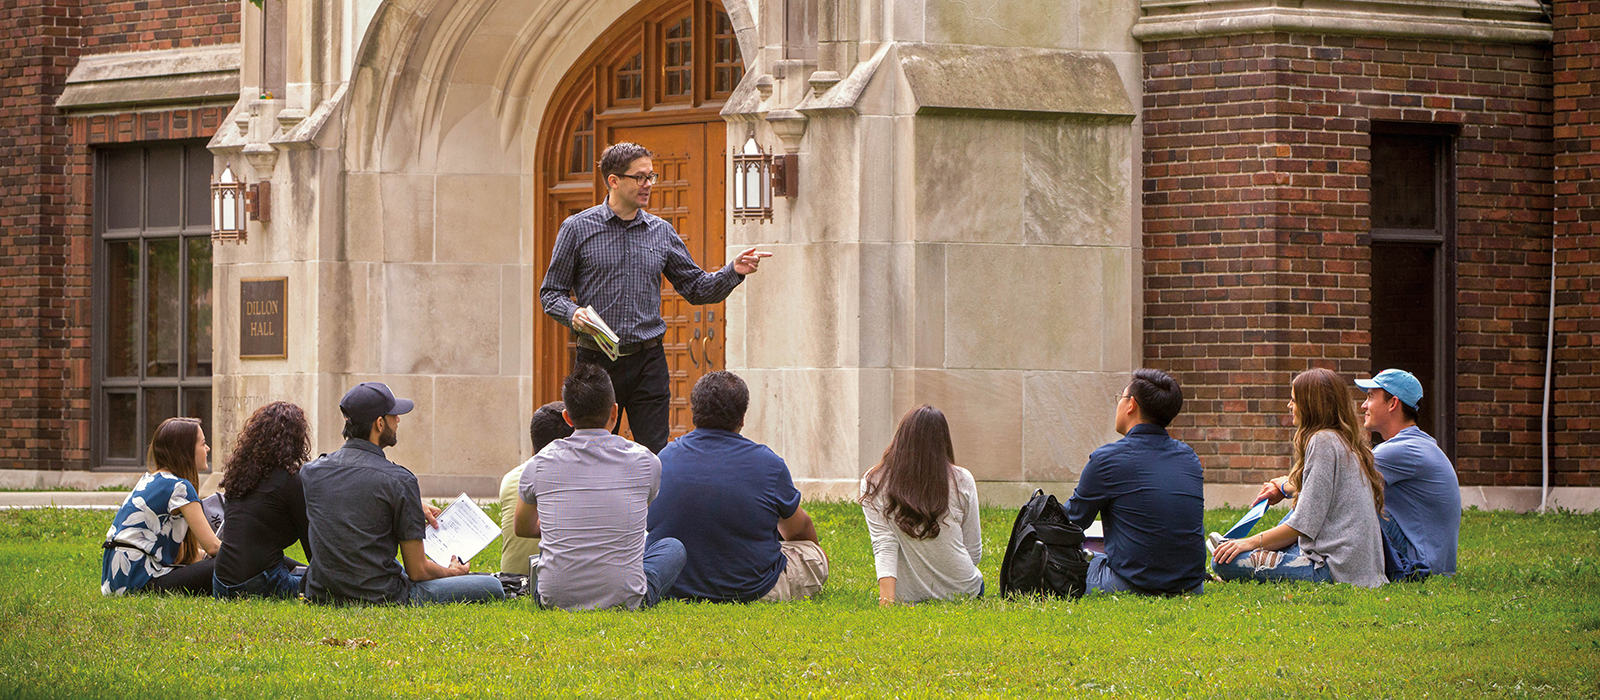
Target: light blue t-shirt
1422,495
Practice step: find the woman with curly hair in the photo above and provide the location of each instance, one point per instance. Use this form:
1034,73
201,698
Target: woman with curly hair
266,507
160,536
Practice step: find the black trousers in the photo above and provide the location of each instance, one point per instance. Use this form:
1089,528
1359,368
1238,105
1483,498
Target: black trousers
194,579
644,392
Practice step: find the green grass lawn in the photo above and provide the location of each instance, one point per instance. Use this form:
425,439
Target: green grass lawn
1521,619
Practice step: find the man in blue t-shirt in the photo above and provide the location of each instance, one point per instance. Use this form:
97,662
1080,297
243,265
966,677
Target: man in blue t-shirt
1421,495
1148,488
733,505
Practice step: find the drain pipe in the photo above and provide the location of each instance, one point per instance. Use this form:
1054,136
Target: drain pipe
1549,362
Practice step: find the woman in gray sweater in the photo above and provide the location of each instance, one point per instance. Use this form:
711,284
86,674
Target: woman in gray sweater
1333,533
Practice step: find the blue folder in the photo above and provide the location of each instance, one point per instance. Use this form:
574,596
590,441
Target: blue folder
1248,522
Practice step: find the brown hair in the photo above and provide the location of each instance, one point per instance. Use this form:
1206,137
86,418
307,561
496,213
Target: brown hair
172,449
275,437
1322,402
914,475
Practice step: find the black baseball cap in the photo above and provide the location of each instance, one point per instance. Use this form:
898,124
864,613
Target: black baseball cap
369,401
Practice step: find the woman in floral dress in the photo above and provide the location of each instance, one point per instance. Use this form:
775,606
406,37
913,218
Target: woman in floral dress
161,534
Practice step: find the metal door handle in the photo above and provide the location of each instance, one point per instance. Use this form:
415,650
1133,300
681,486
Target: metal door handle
691,347
705,350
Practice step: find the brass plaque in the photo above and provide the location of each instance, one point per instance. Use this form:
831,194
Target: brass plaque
263,317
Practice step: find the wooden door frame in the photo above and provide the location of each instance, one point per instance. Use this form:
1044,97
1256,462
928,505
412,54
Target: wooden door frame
585,85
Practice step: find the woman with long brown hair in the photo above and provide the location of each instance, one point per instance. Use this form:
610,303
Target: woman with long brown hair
1333,534
922,514
160,534
266,507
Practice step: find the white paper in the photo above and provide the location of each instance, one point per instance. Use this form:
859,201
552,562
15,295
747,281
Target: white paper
1094,531
463,531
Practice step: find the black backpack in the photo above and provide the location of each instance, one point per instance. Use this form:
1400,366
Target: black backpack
1045,554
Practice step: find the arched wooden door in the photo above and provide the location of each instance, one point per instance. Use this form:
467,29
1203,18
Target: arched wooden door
658,77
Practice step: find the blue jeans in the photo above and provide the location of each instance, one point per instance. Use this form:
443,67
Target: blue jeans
662,563
468,588
1102,578
1397,538
275,582
1287,564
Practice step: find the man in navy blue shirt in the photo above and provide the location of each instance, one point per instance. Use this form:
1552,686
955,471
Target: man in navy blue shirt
733,505
1148,489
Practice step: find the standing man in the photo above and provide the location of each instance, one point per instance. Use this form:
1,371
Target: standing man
611,256
1147,486
361,507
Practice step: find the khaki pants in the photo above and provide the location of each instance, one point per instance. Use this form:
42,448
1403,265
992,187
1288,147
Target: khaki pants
803,576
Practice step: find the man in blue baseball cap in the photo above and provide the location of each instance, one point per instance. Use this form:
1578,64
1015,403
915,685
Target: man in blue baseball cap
361,507
1421,496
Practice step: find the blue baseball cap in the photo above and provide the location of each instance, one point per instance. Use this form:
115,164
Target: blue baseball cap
1399,383
369,401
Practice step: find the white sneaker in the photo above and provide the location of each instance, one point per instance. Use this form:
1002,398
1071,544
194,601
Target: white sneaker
1212,541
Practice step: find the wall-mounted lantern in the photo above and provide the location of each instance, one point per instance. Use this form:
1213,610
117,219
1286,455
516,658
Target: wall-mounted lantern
232,202
752,184
227,207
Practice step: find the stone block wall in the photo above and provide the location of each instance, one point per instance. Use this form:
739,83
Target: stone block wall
1575,406
45,199
1256,223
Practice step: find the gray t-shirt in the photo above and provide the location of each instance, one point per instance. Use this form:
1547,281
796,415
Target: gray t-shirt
359,508
593,493
938,567
1335,514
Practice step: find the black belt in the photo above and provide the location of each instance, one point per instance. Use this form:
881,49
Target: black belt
586,342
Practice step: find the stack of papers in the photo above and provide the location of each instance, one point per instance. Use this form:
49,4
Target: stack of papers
463,531
602,333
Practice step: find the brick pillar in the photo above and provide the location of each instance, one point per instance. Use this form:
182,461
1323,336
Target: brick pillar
1257,231
39,383
1575,425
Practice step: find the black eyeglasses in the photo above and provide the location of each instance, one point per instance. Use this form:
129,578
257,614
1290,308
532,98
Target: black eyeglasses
643,178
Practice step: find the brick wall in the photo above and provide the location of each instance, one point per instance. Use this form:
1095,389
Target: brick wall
1575,425
45,188
144,25
35,320
1256,227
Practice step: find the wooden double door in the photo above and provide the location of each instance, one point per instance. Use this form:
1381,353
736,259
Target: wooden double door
689,195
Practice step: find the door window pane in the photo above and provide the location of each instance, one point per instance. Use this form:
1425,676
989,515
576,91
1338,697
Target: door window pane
123,175
1403,190
163,187
162,290
159,405
122,299
199,330
122,419
197,189
1403,315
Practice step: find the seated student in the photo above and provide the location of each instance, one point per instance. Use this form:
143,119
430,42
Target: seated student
547,426
922,515
361,508
1333,533
1421,496
265,511
586,497
733,505
160,534
1148,489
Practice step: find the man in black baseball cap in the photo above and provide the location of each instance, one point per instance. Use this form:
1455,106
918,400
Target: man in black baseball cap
361,507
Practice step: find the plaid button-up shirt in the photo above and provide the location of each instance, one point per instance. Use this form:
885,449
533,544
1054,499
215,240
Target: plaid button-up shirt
616,266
